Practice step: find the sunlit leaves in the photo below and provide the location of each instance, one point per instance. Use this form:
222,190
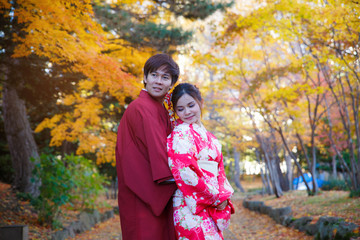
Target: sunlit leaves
67,34
281,59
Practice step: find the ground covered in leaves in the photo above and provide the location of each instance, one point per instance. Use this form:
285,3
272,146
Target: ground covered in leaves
14,211
245,224
326,203
249,225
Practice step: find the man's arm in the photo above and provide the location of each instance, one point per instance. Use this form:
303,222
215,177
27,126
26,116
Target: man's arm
137,168
155,136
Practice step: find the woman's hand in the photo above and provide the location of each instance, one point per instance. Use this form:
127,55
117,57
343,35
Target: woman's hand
222,205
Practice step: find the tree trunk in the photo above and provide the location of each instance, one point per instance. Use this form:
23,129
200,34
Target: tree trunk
237,171
343,164
333,163
267,174
265,187
310,164
291,154
289,169
270,164
355,101
67,148
349,138
275,178
284,183
313,171
21,142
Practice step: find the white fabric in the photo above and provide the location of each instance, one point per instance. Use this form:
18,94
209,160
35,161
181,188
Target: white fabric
209,166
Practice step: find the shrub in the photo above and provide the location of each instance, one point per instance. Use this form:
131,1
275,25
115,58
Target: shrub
65,181
89,184
56,182
334,184
354,193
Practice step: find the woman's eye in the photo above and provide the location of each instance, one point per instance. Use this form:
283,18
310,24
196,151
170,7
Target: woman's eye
180,109
191,105
153,74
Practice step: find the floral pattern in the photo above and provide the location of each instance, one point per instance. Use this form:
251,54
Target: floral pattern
199,190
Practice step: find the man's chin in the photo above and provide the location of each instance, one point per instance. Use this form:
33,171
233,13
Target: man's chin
157,95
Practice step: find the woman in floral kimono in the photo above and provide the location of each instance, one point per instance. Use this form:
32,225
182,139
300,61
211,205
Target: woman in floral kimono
202,205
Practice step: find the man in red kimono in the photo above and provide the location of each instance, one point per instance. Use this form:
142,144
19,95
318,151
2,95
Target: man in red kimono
145,181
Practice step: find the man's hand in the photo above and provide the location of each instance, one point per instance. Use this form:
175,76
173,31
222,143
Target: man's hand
222,205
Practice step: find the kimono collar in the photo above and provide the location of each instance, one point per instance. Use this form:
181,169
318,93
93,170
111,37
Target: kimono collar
196,127
179,121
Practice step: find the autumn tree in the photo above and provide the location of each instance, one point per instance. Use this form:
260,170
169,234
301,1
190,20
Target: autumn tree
290,55
152,22
92,69
36,33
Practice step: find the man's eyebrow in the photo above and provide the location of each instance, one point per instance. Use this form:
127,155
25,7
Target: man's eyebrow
168,74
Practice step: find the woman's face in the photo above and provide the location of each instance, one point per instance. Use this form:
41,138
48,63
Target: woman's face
188,109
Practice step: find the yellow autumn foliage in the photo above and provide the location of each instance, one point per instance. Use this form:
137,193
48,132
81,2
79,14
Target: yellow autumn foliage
67,33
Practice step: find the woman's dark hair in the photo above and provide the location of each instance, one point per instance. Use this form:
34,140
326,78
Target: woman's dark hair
185,88
159,60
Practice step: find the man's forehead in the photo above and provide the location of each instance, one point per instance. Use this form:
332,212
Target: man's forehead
163,70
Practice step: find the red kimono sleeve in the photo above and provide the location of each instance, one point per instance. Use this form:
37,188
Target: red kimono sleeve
155,140
225,189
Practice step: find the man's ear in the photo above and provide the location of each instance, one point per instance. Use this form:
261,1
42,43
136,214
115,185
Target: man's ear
145,80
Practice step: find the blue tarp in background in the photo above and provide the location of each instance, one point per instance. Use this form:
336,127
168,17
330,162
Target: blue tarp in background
299,184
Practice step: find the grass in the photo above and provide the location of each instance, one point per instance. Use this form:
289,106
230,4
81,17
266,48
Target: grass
326,203
334,203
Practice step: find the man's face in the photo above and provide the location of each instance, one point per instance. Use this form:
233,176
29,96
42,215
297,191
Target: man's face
158,83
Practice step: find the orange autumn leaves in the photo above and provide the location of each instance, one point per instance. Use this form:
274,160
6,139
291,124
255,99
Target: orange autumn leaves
67,34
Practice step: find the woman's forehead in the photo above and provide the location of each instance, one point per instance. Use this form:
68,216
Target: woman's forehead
185,99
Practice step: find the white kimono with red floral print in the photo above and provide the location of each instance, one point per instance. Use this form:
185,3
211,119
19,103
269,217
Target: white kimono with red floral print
196,162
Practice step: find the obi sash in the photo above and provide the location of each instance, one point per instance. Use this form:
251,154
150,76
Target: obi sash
209,166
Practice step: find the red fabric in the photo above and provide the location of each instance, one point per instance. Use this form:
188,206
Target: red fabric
141,160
